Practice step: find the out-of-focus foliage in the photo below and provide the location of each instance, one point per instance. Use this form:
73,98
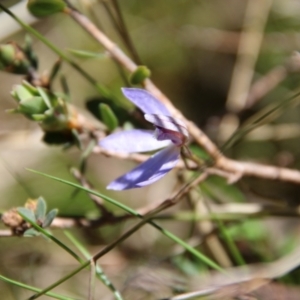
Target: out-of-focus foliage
190,48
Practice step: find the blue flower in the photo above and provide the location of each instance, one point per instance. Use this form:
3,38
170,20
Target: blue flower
170,134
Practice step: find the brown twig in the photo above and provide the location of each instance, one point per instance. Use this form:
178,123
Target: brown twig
237,169
136,157
84,182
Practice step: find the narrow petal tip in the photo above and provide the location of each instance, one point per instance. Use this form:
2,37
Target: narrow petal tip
145,101
149,171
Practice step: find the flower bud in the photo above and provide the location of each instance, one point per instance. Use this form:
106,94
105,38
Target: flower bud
139,75
13,59
32,106
44,8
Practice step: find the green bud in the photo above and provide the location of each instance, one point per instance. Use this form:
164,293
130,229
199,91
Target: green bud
34,105
139,75
13,59
44,8
33,90
30,102
7,53
108,117
21,93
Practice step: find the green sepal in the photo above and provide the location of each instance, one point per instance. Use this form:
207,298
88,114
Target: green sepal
41,209
33,105
37,117
139,75
44,8
11,111
28,213
50,217
33,90
21,93
31,232
108,117
45,97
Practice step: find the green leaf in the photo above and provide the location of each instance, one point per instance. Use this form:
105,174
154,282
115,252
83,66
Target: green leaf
50,217
28,213
218,188
56,67
199,152
251,230
108,117
44,8
41,209
139,75
31,232
87,54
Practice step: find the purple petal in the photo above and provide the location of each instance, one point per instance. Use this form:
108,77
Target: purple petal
167,122
130,141
148,172
145,101
163,134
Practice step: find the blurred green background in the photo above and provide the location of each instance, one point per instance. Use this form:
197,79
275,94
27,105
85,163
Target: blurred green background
190,47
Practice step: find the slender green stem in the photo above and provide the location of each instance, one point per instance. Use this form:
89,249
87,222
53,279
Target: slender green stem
92,279
133,212
99,272
230,243
51,237
57,283
102,89
33,289
146,219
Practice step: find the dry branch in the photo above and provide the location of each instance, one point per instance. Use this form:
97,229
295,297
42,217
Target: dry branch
236,168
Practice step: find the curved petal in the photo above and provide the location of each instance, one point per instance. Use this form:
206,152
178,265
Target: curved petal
162,134
148,172
145,101
167,122
130,141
